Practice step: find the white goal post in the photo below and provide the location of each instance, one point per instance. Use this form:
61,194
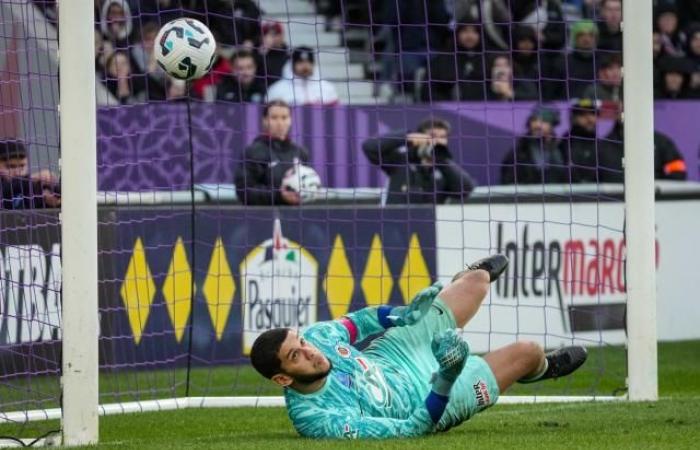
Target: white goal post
78,129
80,408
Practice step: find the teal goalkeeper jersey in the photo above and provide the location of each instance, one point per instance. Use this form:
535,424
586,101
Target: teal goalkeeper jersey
364,395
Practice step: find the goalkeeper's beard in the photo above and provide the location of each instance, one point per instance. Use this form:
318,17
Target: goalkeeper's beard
308,379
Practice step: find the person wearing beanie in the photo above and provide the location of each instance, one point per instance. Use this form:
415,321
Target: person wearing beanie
580,62
305,87
537,157
579,146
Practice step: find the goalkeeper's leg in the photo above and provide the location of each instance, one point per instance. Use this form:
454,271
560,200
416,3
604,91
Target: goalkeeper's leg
469,287
526,362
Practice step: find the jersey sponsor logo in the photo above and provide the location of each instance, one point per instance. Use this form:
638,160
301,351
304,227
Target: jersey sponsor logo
482,393
342,350
374,383
279,280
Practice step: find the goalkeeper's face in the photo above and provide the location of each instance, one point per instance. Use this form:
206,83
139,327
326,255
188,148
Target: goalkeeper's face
301,361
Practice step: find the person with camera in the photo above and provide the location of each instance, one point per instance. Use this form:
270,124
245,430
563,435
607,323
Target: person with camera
419,165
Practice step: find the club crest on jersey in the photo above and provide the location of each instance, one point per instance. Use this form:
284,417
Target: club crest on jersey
278,280
342,350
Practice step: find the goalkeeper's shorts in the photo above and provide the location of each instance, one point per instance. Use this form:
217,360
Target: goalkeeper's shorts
408,349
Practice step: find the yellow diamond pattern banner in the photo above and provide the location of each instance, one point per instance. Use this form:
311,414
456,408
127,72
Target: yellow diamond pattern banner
177,289
376,279
339,283
138,290
219,289
159,290
414,274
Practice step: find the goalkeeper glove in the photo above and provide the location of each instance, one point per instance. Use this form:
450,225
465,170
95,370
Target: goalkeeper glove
401,316
451,353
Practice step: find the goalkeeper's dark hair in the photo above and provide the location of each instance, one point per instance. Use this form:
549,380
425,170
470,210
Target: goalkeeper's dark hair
263,355
430,123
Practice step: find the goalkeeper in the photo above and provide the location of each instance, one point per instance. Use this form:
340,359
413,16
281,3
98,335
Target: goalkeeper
417,378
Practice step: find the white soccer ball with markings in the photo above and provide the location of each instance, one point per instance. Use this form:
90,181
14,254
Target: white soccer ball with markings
185,48
304,180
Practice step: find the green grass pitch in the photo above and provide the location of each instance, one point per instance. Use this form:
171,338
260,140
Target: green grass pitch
672,422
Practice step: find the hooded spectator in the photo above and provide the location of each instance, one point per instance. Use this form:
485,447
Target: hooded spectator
580,62
116,22
610,25
304,88
236,22
545,18
272,53
462,69
537,156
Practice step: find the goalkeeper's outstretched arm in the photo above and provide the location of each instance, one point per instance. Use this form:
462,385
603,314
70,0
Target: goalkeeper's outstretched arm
375,319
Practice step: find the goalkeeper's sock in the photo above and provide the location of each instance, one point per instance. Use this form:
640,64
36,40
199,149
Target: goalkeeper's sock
537,376
560,363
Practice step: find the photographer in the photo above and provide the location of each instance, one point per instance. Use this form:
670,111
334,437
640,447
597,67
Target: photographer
19,190
419,165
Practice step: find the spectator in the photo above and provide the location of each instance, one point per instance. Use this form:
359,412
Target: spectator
580,62
462,69
242,86
668,161
580,147
545,18
666,23
116,23
269,159
537,157
103,50
675,79
501,79
121,82
417,27
657,56
205,87
610,27
608,87
236,22
527,66
272,53
689,11
17,189
145,62
305,87
502,85
419,165
693,54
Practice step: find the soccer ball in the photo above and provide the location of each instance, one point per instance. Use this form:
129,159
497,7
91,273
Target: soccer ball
185,48
304,180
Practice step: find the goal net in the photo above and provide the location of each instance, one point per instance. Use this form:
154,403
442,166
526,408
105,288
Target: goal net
197,256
